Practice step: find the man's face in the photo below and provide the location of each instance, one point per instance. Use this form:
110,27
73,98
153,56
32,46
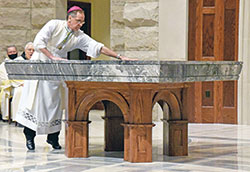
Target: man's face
11,50
29,51
75,23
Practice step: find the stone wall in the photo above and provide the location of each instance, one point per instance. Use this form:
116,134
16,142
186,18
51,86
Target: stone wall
20,20
244,54
134,28
134,32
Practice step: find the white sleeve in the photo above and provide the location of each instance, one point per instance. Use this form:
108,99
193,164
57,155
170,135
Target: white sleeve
44,35
90,46
3,73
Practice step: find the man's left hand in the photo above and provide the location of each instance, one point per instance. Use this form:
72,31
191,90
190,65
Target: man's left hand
126,58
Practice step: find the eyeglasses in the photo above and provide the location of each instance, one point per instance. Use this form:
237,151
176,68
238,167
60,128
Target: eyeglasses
80,22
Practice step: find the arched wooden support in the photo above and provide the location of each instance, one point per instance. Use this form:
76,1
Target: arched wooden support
172,101
88,99
80,103
135,102
174,126
94,96
114,133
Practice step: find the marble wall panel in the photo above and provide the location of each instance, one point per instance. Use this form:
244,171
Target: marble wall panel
14,18
141,14
20,20
15,3
142,55
141,39
134,28
140,1
13,37
43,3
117,16
33,33
244,54
118,2
40,16
117,40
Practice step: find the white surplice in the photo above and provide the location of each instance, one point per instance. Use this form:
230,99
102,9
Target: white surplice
9,88
40,107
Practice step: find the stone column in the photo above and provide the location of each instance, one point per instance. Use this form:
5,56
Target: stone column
244,54
173,29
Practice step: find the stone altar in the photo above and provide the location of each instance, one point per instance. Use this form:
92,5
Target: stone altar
128,90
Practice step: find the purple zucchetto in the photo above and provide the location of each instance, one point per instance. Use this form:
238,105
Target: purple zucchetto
74,8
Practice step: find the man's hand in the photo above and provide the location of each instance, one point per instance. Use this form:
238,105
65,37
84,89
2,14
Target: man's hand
57,58
113,54
126,58
46,52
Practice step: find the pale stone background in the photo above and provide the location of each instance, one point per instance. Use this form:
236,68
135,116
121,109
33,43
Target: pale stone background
244,55
20,20
135,28
173,35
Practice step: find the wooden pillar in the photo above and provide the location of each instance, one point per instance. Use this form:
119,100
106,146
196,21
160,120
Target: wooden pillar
175,137
126,142
139,145
114,133
76,139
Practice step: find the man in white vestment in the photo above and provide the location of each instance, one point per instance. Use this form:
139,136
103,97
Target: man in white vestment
40,107
5,84
12,88
12,54
28,52
26,55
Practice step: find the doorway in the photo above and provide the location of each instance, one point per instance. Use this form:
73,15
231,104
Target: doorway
213,36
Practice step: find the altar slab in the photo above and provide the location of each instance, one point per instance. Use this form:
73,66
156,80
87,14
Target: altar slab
124,71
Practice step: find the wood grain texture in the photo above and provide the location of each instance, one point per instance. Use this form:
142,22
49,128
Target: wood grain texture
213,36
128,117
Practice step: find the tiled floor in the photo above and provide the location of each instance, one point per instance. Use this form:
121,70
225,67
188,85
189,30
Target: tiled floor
212,147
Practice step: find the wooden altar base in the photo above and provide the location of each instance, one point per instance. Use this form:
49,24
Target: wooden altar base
128,117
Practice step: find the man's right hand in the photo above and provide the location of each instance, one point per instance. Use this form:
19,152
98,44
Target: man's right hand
47,53
57,58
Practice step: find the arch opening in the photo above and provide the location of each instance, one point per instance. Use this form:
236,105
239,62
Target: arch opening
106,134
160,114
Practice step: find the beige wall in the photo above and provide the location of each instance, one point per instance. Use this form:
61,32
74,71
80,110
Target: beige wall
173,29
135,28
244,54
20,20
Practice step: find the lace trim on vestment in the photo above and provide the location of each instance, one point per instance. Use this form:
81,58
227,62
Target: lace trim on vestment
34,120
